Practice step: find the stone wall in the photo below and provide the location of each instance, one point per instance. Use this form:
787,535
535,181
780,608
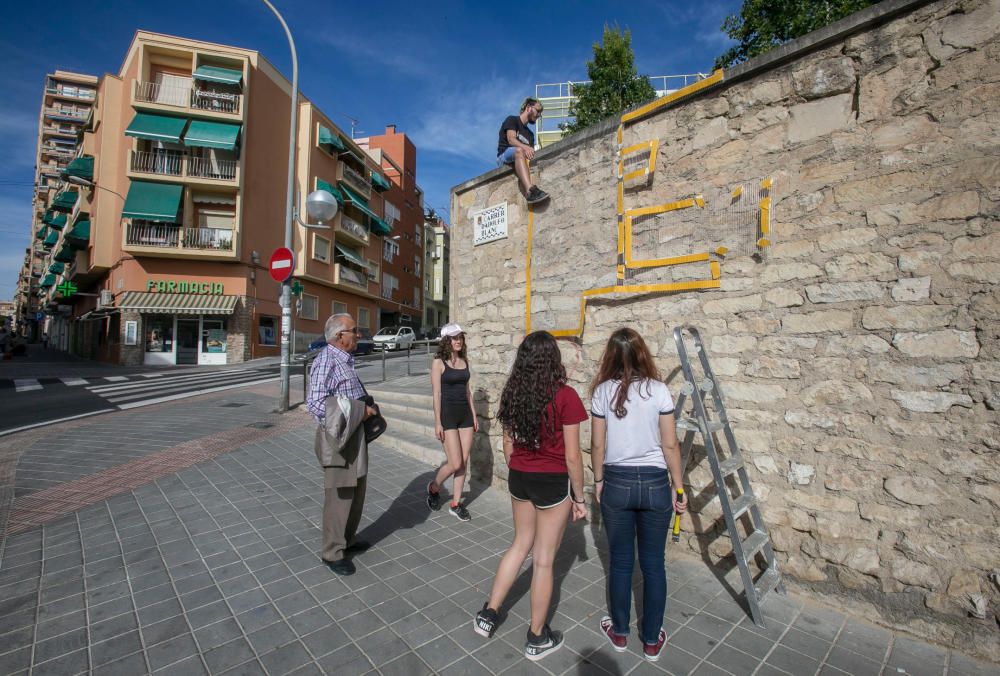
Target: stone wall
859,353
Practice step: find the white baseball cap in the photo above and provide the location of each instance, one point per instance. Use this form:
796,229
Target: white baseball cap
451,330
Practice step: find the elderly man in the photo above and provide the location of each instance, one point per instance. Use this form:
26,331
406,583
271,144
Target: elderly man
335,390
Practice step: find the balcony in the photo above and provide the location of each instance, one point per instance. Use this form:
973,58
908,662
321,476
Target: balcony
73,114
355,180
183,164
170,239
350,277
56,130
71,92
353,231
57,150
189,95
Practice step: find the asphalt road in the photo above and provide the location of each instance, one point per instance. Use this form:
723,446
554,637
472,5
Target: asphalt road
37,393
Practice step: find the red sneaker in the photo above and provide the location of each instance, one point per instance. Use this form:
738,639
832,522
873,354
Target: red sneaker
617,640
652,652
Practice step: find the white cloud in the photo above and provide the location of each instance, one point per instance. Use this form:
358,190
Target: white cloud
397,53
466,121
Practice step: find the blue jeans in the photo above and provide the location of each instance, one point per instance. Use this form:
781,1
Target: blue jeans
506,157
636,505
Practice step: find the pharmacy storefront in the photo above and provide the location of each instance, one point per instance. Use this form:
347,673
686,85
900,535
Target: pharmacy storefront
178,322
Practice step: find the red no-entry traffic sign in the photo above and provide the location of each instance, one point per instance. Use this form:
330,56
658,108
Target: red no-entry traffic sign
282,264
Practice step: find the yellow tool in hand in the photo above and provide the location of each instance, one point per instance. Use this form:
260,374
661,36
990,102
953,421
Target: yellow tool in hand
676,537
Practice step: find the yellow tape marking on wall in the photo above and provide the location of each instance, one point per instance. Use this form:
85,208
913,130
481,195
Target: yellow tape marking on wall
650,147
717,76
527,281
673,260
651,211
716,269
638,288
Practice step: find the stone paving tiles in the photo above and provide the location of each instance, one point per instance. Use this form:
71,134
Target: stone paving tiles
213,569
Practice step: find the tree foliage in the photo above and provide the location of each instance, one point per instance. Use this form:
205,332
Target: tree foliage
614,84
764,24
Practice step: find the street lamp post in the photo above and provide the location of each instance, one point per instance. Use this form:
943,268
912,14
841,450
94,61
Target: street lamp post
286,287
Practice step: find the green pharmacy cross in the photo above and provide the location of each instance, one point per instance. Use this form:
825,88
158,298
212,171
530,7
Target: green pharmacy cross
297,288
67,288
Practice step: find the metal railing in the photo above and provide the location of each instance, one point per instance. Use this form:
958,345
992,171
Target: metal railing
221,102
352,227
188,96
167,164
357,180
224,170
147,233
218,239
346,275
67,112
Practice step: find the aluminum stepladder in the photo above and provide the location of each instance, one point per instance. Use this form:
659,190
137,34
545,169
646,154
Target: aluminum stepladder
734,507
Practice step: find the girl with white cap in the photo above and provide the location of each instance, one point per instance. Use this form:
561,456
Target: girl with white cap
455,420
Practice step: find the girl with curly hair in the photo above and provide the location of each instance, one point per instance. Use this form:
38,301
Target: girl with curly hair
633,444
455,420
540,416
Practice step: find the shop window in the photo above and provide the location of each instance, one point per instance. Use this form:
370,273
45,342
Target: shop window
267,331
321,249
213,336
159,333
308,307
364,318
339,308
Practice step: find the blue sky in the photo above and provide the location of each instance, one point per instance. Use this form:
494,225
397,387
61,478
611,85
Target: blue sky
446,73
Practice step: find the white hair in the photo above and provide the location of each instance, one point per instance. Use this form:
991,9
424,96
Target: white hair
334,325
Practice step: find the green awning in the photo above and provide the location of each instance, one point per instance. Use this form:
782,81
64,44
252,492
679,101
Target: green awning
51,239
65,201
55,220
156,127
57,267
351,255
50,280
79,234
380,182
205,134
217,74
42,232
65,254
378,226
153,201
323,185
330,138
82,167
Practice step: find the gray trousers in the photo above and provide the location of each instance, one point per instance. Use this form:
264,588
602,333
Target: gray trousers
341,514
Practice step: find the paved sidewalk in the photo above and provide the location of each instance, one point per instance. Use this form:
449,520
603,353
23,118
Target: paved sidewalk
206,563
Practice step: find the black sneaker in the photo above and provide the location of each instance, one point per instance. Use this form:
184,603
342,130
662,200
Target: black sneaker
539,646
433,499
486,621
536,195
460,512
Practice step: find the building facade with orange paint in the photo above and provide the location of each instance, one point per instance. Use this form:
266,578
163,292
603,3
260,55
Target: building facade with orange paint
168,242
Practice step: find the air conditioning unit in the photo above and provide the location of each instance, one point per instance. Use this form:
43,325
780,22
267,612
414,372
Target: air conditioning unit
106,299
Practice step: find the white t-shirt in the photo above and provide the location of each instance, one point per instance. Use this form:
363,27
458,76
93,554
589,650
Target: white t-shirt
634,440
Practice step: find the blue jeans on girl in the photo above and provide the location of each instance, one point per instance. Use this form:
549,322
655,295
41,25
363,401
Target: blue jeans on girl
636,506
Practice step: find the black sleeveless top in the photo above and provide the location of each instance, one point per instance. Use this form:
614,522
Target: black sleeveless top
453,384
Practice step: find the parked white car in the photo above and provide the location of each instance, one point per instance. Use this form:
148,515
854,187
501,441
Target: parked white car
394,338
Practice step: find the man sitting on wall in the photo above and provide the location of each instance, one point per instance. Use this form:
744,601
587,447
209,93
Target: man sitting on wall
517,147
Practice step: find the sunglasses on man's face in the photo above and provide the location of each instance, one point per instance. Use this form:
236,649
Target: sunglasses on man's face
354,331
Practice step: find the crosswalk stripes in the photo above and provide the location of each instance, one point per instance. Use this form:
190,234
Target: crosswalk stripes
26,384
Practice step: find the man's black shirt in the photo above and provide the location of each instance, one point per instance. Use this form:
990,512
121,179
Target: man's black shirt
523,132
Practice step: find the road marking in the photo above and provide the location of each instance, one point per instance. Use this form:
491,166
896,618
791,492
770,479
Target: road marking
145,384
53,422
152,375
172,397
115,379
26,384
72,382
162,387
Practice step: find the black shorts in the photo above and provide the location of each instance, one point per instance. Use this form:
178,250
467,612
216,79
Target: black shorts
543,489
455,416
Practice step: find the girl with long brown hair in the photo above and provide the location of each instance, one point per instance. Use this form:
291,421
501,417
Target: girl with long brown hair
540,415
633,445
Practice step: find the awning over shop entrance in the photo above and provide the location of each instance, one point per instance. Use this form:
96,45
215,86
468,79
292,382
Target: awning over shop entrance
178,303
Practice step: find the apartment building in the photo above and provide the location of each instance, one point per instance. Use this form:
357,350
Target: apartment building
437,267
401,263
168,236
67,100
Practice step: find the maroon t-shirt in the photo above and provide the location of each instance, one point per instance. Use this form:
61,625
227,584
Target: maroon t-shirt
550,456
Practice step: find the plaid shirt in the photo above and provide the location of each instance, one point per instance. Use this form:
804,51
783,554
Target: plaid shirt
332,373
